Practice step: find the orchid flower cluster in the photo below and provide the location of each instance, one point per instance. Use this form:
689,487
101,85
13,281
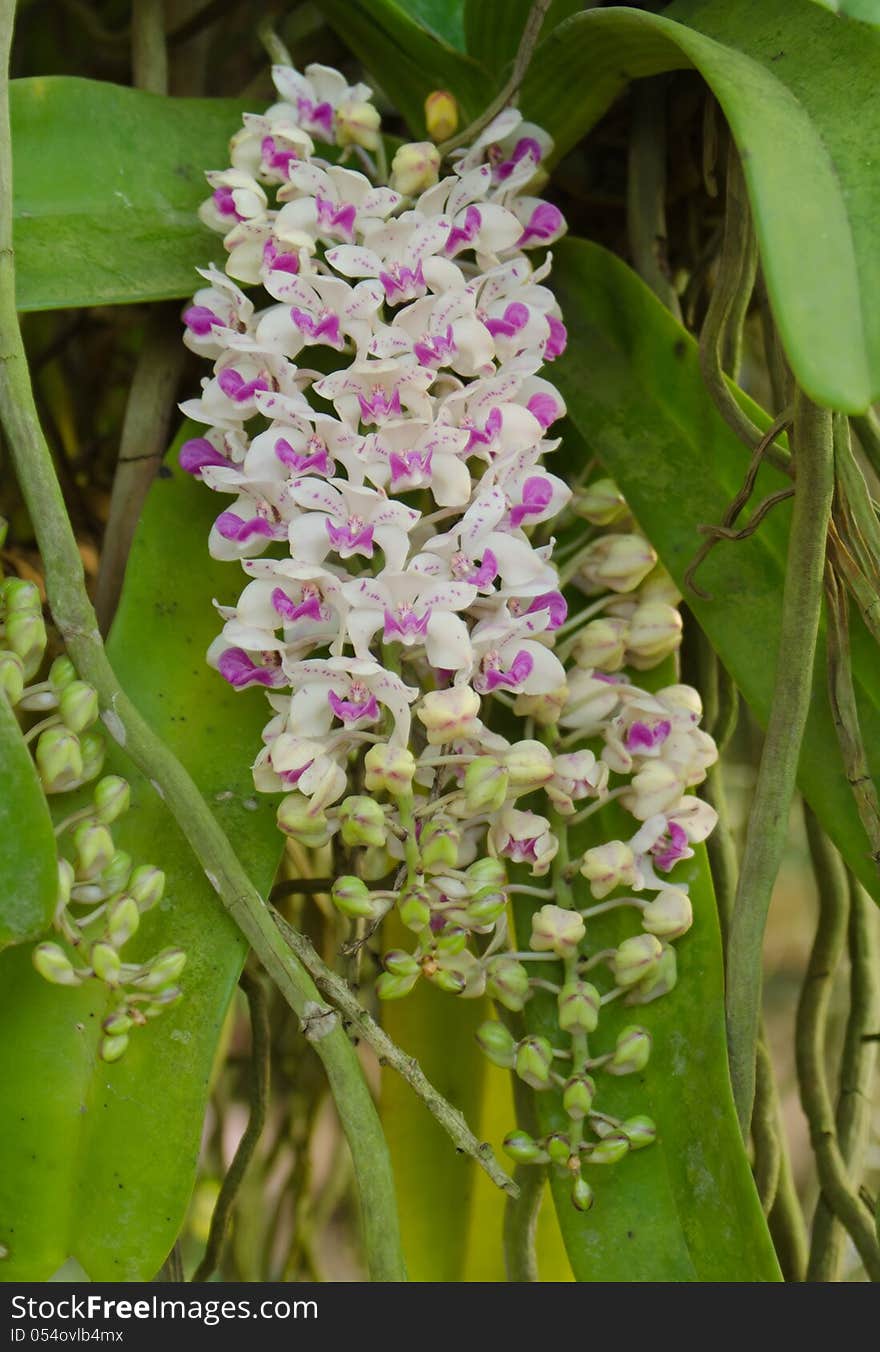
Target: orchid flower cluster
392,511
101,896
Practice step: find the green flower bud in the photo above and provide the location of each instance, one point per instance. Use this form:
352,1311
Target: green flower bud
448,979
391,987
610,1149
414,908
116,874
658,982
485,784
602,644
112,798
508,983
351,896
534,1062
635,959
375,863
578,1096
26,636
486,908
669,915
620,562
451,941
497,1043
123,919
161,970
558,1147
61,673
78,706
632,1052
117,1023
600,503
66,879
21,597
59,760
93,750
298,819
487,873
438,845
389,769
94,849
11,676
146,885
556,930
54,965
106,963
639,1131
113,1047
399,963
522,1148
579,1005
582,1196
529,765
362,821
163,999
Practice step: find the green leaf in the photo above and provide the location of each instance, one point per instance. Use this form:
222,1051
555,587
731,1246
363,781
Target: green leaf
99,1160
107,184
445,18
493,28
684,1209
406,60
28,858
644,411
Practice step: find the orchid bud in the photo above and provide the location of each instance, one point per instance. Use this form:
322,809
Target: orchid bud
448,978
659,586
609,866
112,797
610,1149
297,818
362,821
400,963
54,965
94,849
578,1096
639,1131
26,636
20,597
66,879
162,970
579,1005
391,987
600,503
94,750
357,124
545,708
441,115
555,930
117,1023
632,1051
582,1195
655,788
112,1048
635,958
165,998
146,885
484,909
450,715
618,561
415,167
414,908
439,845
61,674
534,1062
389,769
659,981
487,872
497,1043
602,644
12,676
530,766
78,706
508,982
558,1147
59,760
351,896
451,940
669,915
115,876
123,919
655,631
523,1148
485,784
106,963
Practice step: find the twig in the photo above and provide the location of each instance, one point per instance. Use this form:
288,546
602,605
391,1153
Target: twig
840,1194
853,1117
527,44
340,994
77,625
768,820
521,1213
261,1045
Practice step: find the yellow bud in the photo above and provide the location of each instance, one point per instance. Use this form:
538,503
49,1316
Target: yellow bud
415,167
441,115
357,124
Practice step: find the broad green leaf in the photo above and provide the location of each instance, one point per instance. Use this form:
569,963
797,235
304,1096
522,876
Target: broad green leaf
632,382
493,28
407,60
443,17
28,858
789,79
684,1209
99,1160
107,183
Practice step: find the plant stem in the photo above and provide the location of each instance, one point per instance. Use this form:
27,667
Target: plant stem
149,58
77,625
765,1132
521,1213
840,1194
646,189
450,1119
768,820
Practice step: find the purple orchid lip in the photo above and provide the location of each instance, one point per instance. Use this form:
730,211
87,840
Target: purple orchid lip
319,461
410,465
294,776
545,222
276,261
512,322
667,854
405,626
526,145
558,340
276,158
200,320
318,114
239,670
405,283
490,430
521,851
292,610
197,453
557,605
338,218
642,736
357,540
379,406
351,712
234,527
516,674
224,201
234,385
464,234
326,328
536,497
543,407
487,572
435,351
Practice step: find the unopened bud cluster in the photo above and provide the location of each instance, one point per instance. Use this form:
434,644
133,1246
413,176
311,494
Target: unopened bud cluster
393,521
